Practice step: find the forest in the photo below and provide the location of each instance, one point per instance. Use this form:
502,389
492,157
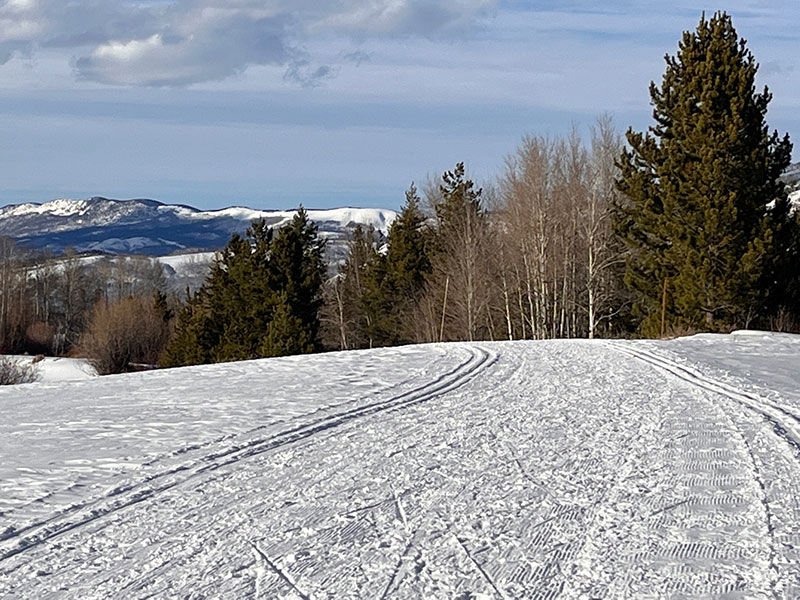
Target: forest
682,228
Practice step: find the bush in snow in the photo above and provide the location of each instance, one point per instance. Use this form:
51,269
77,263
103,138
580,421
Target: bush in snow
13,371
122,336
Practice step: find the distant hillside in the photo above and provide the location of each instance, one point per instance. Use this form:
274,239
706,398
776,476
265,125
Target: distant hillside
792,176
150,228
792,179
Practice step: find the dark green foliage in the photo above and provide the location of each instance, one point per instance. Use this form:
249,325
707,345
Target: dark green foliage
460,204
260,299
372,302
461,282
287,334
296,271
395,281
161,306
407,256
353,315
191,341
704,208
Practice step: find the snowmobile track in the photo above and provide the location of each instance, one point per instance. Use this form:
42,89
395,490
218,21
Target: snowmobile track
778,416
774,414
18,541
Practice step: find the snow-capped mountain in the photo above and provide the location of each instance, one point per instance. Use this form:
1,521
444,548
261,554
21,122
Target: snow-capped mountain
792,179
148,227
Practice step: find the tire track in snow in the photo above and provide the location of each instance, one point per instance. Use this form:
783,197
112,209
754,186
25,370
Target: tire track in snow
15,542
775,414
767,410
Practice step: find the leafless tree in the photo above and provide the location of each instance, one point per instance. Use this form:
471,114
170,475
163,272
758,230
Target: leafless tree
554,220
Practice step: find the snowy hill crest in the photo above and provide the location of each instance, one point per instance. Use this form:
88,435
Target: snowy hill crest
148,227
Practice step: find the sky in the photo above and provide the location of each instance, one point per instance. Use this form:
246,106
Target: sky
275,103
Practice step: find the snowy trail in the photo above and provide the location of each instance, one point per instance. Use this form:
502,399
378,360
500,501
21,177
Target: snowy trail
776,468
506,470
225,452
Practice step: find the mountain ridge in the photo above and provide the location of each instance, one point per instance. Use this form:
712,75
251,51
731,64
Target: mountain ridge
152,228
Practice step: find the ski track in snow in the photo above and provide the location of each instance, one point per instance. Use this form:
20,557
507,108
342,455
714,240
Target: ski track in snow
563,469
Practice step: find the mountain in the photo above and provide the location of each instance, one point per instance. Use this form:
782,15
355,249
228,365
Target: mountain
151,228
792,176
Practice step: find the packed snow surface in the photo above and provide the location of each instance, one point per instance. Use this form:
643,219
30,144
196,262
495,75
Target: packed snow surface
573,469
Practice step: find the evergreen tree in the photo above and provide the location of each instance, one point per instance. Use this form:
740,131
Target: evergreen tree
287,334
459,258
407,256
190,343
397,279
705,215
373,300
353,309
459,205
297,270
260,299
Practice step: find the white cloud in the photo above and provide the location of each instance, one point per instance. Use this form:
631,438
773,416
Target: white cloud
180,42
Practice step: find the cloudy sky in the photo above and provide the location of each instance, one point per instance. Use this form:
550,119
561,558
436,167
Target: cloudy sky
272,103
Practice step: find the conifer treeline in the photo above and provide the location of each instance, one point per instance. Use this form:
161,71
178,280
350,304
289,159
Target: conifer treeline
260,299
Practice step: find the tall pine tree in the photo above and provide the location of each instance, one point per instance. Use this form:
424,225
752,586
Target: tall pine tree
296,273
704,214
396,280
460,269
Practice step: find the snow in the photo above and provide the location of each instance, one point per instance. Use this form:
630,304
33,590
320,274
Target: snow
794,199
55,370
377,218
98,212
489,470
120,245
61,207
180,261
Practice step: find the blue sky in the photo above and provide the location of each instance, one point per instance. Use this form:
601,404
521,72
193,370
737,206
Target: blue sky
272,103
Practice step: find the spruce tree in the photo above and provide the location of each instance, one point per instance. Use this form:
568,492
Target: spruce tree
704,214
399,277
459,257
460,203
407,256
190,343
286,333
260,299
297,270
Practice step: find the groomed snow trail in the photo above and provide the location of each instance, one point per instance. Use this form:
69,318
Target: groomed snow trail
508,470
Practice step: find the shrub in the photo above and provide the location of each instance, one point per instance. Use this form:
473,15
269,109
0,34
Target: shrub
14,371
124,335
40,337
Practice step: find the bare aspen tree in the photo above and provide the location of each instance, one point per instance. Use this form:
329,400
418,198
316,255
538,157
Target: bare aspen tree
333,318
601,253
460,263
554,217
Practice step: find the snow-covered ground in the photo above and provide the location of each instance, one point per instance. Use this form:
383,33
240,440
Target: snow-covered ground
794,198
568,469
55,370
